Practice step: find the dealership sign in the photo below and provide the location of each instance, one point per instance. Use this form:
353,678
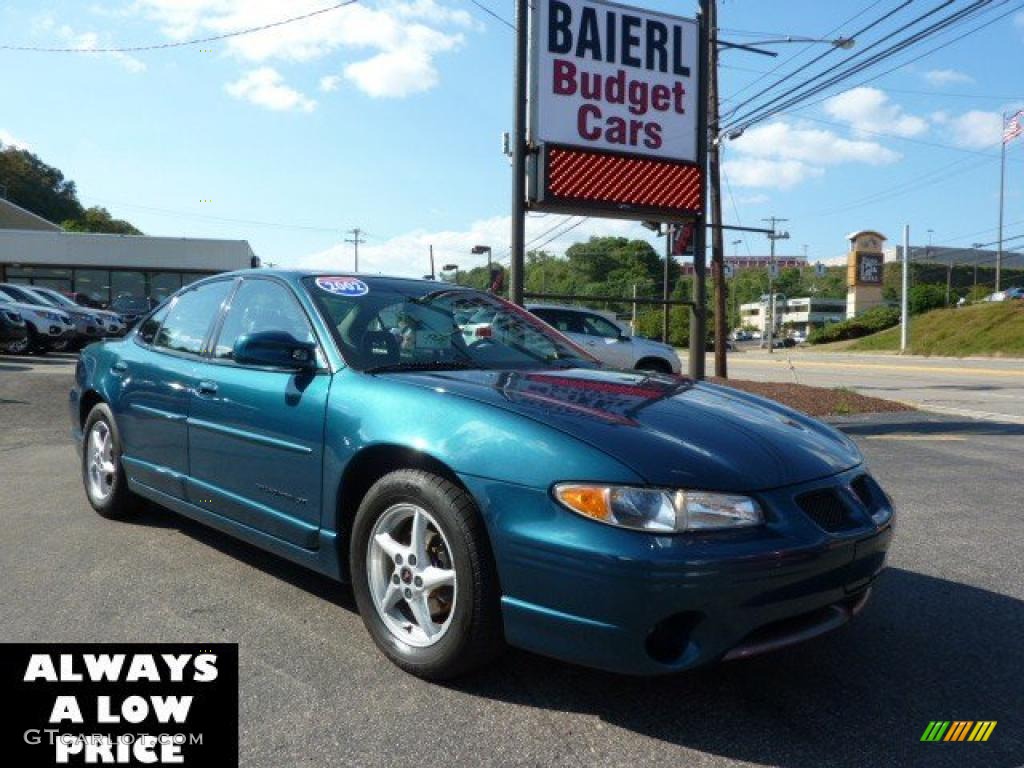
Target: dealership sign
613,110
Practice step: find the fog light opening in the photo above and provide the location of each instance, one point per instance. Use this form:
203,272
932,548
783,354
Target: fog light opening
670,637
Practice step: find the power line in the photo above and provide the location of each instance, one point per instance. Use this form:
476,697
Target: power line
816,59
491,13
583,220
802,51
901,65
196,41
766,110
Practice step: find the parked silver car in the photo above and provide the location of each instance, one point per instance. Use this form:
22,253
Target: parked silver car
48,328
108,324
606,339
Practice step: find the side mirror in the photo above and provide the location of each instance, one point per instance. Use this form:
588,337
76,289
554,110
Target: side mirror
275,349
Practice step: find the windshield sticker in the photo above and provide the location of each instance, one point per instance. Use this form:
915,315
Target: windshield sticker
343,286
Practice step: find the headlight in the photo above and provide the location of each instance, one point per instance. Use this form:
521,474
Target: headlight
651,509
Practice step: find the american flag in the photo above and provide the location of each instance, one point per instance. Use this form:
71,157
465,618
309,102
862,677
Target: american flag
1013,127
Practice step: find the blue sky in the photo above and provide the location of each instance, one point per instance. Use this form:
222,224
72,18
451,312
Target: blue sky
388,116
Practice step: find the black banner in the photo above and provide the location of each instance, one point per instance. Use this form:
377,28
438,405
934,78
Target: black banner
119,704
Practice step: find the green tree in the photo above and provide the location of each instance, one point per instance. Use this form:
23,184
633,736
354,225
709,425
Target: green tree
925,297
38,187
97,219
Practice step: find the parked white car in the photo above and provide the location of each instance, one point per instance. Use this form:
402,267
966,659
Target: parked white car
606,339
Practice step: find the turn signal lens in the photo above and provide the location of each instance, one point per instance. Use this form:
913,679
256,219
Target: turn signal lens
656,510
588,500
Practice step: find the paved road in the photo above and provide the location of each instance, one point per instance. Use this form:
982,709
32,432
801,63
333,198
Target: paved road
978,388
942,638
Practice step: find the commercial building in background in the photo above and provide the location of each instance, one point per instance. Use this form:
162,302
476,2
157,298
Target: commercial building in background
105,267
735,264
801,315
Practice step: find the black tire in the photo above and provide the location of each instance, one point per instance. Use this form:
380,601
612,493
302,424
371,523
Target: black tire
654,364
120,502
36,344
474,635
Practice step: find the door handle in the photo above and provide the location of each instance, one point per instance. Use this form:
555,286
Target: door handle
119,367
206,389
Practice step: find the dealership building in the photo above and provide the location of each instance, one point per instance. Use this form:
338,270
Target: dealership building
802,315
104,267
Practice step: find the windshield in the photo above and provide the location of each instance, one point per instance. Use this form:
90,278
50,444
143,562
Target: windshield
21,295
56,299
390,329
45,298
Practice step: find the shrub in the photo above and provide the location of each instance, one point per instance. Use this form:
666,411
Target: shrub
872,321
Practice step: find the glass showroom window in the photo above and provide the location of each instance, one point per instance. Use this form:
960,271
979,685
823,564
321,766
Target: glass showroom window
127,283
163,284
94,283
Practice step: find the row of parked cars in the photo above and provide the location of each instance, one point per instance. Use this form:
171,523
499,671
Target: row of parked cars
36,320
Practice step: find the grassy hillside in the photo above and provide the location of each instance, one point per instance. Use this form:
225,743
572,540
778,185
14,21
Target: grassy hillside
980,329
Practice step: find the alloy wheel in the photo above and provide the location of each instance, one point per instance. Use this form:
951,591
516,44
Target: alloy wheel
101,470
411,575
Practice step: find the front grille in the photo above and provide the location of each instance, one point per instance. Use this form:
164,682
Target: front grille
826,509
862,486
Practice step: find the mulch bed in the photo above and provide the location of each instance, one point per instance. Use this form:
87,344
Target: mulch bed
815,401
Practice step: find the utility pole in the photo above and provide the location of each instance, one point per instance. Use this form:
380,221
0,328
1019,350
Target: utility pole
904,298
698,317
773,220
665,280
517,262
431,261
355,240
715,190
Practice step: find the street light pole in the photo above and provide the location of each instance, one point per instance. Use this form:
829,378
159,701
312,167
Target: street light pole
773,220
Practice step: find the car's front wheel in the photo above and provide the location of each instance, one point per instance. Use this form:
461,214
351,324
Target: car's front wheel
105,483
424,577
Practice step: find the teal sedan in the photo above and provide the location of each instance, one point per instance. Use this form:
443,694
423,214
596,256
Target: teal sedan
480,489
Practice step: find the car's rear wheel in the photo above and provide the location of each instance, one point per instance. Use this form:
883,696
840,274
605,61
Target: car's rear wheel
424,577
102,473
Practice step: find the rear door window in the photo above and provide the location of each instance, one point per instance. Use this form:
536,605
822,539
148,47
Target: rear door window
190,316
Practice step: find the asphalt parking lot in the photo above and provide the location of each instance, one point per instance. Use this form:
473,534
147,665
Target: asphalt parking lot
942,639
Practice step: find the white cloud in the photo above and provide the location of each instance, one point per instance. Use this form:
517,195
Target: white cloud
976,129
941,77
10,140
780,155
408,254
330,83
776,174
868,110
397,40
265,87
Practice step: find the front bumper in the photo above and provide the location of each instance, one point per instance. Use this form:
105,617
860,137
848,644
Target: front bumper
646,604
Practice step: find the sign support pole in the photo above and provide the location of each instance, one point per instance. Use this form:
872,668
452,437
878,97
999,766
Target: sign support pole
517,263
698,315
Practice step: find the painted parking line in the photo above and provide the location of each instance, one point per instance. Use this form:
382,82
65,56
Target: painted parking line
925,369
940,438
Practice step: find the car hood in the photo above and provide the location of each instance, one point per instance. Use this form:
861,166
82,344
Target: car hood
669,430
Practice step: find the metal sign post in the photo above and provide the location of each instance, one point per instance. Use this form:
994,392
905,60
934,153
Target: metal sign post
616,125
